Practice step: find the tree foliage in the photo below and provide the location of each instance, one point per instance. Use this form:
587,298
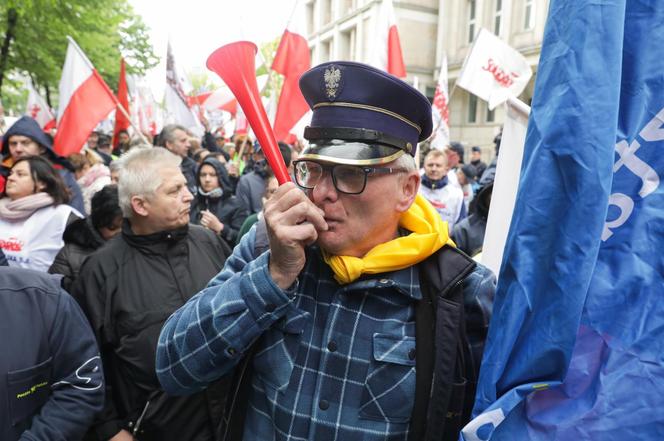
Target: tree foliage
104,29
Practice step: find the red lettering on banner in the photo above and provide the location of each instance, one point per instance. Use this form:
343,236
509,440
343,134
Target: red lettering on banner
11,244
503,78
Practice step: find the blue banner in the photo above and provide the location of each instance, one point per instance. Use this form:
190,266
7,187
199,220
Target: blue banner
576,344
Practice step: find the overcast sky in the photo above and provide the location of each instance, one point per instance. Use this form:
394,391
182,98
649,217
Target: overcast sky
197,27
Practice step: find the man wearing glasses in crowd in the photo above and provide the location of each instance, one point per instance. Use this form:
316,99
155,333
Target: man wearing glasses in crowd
338,331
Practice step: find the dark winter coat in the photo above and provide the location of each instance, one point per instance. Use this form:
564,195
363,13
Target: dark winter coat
188,167
81,239
468,235
250,191
228,208
51,381
28,127
128,289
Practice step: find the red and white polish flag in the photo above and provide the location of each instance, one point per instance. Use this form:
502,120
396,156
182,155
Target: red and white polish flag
38,109
85,99
440,110
220,99
291,60
387,54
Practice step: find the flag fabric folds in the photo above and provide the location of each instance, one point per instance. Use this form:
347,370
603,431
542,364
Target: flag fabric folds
386,53
440,110
291,60
85,99
175,99
121,120
38,109
576,344
493,70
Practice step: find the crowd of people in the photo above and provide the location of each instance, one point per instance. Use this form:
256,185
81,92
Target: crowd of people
219,305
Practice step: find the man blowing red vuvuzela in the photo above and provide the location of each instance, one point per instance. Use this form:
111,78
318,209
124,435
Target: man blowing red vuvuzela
353,324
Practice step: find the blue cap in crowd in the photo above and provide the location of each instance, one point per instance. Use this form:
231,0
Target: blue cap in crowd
362,115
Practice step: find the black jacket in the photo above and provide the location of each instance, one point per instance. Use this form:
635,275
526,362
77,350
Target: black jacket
468,235
51,382
228,208
128,289
81,240
188,167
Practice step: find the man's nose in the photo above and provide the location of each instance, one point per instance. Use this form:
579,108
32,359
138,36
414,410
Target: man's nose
324,188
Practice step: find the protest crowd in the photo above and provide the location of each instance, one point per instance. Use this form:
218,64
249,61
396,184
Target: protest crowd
191,284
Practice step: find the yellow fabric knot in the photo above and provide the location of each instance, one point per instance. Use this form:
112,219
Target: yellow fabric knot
429,234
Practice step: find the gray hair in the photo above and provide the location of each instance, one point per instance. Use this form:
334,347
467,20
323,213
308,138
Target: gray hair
405,161
168,133
139,174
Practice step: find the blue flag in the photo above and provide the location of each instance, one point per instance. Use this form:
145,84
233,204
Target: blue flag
576,344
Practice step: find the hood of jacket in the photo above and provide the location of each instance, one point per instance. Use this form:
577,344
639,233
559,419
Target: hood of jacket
222,176
82,233
27,126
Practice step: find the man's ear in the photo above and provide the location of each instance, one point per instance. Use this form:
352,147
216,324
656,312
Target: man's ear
139,205
409,185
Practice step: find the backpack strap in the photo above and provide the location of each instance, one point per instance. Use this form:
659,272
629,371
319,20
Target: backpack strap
438,323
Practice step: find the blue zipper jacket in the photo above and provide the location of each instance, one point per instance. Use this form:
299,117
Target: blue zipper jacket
51,381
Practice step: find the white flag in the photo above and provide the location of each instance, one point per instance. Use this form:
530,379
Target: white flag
175,100
38,109
506,183
493,70
440,110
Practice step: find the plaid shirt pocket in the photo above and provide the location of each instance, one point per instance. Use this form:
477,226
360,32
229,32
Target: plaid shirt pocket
275,361
389,391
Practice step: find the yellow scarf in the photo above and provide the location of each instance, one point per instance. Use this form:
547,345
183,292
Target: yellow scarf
429,234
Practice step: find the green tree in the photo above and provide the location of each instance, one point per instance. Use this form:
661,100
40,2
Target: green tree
275,81
33,36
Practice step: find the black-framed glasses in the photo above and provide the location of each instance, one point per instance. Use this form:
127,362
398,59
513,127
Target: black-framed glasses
348,179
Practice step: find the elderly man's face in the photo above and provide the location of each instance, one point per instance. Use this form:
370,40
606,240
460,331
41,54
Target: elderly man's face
180,145
20,146
359,222
169,207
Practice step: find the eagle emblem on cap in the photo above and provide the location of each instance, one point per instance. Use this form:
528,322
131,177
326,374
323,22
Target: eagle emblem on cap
332,77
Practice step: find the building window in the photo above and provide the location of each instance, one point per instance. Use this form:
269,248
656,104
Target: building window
310,18
325,51
497,17
472,19
347,45
472,108
490,114
326,12
345,7
529,18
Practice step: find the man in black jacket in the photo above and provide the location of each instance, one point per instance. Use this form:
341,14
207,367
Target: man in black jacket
52,382
130,286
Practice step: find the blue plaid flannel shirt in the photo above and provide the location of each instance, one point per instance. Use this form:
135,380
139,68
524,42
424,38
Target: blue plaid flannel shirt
333,363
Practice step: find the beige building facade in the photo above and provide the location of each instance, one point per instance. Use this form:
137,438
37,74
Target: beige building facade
520,23
428,29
